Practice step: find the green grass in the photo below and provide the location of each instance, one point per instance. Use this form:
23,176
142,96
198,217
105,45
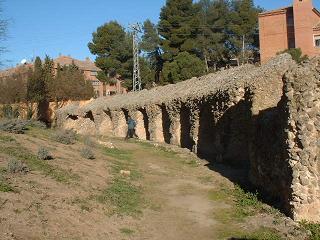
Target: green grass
118,153
35,164
314,229
6,139
126,231
5,187
124,197
243,204
262,234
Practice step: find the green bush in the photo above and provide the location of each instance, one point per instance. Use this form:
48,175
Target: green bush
9,112
296,54
314,229
16,166
66,137
16,126
87,153
44,154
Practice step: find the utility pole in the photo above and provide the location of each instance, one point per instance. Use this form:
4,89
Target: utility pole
136,65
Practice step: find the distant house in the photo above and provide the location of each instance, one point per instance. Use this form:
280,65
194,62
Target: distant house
90,72
296,26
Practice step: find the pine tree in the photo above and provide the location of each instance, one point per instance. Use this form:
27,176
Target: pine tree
36,87
178,27
113,48
243,29
151,45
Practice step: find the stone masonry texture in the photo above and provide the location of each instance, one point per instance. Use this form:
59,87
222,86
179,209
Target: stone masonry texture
264,120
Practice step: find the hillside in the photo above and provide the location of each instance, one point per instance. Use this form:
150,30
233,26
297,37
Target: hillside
131,190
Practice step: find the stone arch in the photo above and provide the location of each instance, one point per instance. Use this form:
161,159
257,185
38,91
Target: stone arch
166,123
142,129
186,140
106,126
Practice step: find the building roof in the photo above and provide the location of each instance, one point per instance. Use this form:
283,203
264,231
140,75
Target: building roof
86,65
274,12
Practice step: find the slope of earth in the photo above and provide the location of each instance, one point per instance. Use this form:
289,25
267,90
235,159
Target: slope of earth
131,190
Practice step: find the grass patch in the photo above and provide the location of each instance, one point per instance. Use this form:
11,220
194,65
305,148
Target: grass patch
313,228
38,165
118,153
244,204
262,234
5,187
6,139
124,197
126,231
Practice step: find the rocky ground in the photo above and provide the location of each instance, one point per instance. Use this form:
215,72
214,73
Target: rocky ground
130,190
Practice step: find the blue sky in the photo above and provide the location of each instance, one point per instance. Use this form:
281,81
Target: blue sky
39,27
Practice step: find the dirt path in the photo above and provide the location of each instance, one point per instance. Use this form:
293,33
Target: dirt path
168,195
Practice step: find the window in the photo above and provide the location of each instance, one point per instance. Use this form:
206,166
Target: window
94,73
317,41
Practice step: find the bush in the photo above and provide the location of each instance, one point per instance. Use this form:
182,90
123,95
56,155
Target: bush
87,153
9,112
16,126
19,126
296,54
44,154
16,166
89,142
66,137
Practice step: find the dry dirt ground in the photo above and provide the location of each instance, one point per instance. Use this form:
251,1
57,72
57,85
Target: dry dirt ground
167,196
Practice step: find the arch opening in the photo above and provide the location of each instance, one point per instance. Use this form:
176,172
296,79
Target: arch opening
166,122
186,140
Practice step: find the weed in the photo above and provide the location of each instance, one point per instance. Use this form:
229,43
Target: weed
126,231
123,196
66,137
16,166
313,228
87,153
44,154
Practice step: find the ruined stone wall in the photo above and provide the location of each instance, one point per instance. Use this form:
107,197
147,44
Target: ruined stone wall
302,95
237,117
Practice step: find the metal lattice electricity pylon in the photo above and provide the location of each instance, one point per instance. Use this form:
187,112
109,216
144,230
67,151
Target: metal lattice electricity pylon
136,65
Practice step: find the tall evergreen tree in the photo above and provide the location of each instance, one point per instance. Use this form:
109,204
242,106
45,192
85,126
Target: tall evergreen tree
243,29
113,48
151,45
178,27
36,85
212,37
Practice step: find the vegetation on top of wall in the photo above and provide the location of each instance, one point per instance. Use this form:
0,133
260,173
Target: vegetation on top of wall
296,54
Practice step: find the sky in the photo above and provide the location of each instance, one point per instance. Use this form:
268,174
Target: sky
40,27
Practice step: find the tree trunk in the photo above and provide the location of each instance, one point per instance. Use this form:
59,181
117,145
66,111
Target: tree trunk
206,61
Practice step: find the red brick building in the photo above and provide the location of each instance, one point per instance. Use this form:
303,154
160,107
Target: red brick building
296,26
90,72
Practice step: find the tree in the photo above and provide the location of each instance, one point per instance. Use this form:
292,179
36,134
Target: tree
36,87
113,48
178,28
212,37
151,45
184,66
243,29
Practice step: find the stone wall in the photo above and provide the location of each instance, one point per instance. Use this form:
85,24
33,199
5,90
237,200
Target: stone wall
237,117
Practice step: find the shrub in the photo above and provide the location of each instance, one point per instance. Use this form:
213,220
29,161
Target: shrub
296,54
14,126
88,141
16,166
44,154
66,137
87,153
